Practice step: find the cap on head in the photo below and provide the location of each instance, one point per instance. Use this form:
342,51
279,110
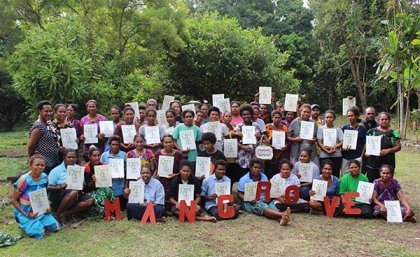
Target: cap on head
315,106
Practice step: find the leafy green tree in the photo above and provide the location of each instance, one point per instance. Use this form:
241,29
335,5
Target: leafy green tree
288,22
349,33
79,49
221,57
59,65
400,58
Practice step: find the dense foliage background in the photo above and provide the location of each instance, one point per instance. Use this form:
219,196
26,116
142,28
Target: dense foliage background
117,51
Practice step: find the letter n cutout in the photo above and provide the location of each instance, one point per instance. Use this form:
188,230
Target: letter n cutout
184,211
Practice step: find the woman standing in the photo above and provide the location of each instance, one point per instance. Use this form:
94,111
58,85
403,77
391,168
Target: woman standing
71,111
272,166
236,117
331,152
390,144
61,123
44,137
151,124
128,120
294,135
176,106
168,150
33,224
245,151
93,118
171,120
353,154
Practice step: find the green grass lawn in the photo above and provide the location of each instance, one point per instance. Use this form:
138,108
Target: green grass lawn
249,235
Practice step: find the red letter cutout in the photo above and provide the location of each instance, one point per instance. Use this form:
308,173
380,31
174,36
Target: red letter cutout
185,211
149,213
230,211
266,191
350,203
296,194
112,208
330,207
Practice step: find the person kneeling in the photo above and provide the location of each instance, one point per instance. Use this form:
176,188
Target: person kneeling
209,191
186,178
259,206
153,193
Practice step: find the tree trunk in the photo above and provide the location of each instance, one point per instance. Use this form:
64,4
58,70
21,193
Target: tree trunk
355,70
418,98
400,102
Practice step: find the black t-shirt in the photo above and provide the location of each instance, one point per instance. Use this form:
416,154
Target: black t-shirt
387,141
218,155
174,186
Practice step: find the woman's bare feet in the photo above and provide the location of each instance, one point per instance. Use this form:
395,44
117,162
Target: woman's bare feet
207,218
286,217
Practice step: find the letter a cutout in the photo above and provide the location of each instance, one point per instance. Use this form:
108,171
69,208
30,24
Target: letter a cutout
149,213
266,191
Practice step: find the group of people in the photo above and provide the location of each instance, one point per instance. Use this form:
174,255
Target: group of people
342,168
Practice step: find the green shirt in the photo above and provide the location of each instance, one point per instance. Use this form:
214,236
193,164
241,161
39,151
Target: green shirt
349,184
192,154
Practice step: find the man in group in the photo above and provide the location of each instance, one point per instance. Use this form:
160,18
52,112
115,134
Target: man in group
370,122
151,104
264,114
315,112
209,192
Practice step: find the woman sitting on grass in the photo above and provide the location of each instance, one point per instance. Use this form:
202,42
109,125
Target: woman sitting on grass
388,189
33,224
305,157
333,188
186,178
65,201
153,193
259,206
98,194
290,180
348,184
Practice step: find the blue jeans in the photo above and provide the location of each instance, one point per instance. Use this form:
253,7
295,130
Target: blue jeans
304,192
136,211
